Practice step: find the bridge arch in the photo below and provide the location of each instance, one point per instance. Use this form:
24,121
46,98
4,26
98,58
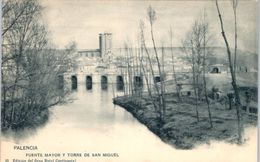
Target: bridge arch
215,70
60,81
119,82
157,79
74,82
138,81
104,82
89,82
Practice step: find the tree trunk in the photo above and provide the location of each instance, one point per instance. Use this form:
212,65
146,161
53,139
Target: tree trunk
152,72
237,98
173,70
204,77
161,95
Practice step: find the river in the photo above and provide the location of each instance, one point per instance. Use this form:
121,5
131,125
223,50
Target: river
92,124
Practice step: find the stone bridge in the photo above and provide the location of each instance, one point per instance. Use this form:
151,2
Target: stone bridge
120,79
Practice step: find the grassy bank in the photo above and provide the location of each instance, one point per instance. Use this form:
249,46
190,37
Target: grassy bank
180,127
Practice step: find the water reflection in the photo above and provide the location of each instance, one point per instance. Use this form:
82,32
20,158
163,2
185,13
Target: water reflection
91,123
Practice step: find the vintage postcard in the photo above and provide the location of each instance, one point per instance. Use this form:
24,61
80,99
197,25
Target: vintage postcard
129,81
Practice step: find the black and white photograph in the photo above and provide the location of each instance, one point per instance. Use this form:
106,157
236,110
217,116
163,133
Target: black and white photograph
129,81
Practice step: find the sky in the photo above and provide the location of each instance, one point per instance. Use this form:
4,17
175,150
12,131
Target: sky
82,20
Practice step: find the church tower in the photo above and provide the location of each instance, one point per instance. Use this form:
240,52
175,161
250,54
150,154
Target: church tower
105,44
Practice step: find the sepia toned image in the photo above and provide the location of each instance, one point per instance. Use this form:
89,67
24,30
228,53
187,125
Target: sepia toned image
129,81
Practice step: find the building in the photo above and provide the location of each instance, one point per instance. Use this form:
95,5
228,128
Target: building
105,43
113,63
105,48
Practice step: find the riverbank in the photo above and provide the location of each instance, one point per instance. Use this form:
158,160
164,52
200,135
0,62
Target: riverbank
36,119
180,128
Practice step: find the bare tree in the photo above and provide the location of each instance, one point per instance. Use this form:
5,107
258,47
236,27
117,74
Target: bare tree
232,66
129,70
150,67
173,67
206,38
146,76
192,46
152,17
234,6
30,67
196,48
